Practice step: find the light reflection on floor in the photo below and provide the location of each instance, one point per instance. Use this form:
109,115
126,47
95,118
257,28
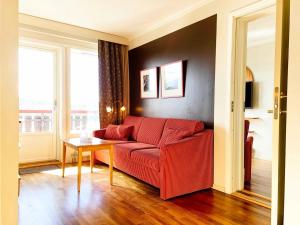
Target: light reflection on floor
69,171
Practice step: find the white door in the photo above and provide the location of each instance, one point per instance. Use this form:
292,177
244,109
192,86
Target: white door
37,99
279,117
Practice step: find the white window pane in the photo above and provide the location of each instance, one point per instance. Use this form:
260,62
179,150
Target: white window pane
36,72
84,91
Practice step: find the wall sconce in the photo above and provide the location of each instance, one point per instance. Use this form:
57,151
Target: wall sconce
108,109
123,108
111,112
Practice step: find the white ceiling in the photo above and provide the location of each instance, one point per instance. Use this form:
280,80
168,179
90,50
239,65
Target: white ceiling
262,30
128,18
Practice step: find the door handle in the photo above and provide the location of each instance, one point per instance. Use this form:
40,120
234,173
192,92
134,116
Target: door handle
276,102
282,96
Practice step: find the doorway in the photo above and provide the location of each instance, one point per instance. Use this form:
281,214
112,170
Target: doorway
241,19
253,96
258,113
254,77
37,103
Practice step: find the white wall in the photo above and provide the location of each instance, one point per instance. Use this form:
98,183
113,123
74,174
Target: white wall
8,112
260,59
292,173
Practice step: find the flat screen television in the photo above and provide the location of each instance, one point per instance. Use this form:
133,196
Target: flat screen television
249,95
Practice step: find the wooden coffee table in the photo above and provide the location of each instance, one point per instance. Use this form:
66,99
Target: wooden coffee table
91,145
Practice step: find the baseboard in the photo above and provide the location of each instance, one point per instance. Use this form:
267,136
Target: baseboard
39,163
218,188
253,199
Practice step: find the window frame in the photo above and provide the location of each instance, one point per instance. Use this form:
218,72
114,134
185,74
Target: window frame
68,86
62,45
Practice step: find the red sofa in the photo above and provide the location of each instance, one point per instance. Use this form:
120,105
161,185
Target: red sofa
248,143
178,168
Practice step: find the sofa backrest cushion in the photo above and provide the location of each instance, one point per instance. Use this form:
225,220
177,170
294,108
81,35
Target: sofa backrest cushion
151,130
173,135
193,126
134,121
118,132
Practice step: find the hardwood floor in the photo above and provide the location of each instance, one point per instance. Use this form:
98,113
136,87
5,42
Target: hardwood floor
261,182
48,199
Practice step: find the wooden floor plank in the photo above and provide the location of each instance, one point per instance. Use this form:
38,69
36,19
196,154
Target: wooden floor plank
261,182
47,198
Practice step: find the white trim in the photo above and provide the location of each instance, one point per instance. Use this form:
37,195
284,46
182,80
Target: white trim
218,188
238,99
59,41
68,91
254,7
57,29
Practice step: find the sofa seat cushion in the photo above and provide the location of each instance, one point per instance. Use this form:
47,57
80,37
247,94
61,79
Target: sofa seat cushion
134,121
123,151
151,130
194,126
146,157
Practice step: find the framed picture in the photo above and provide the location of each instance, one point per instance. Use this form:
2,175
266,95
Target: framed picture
149,83
172,80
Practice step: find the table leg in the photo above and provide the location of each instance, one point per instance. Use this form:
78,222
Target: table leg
92,158
79,168
111,163
63,164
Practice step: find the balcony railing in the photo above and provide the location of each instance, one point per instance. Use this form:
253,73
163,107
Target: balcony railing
36,121
82,119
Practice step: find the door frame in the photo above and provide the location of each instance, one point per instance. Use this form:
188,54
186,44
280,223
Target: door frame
241,24
239,19
57,51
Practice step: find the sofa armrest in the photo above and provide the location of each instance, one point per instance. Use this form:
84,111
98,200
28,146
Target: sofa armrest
187,165
99,133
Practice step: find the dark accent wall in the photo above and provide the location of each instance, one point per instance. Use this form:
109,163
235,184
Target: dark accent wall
196,46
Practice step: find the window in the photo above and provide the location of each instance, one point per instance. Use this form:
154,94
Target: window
36,90
84,88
